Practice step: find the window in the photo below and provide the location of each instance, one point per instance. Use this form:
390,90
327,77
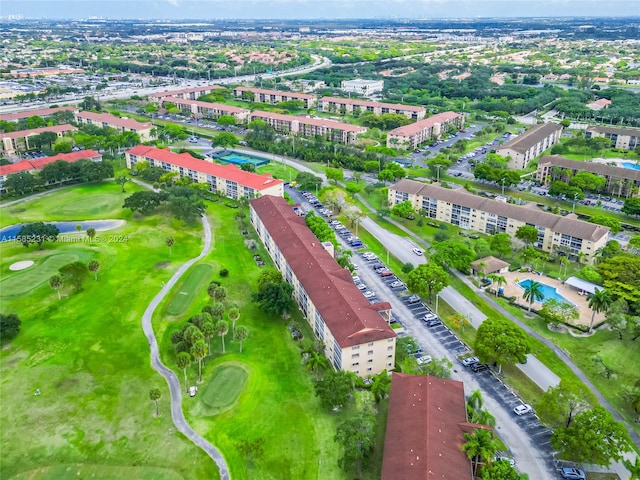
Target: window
370,344
369,369
355,355
355,347
389,356
355,364
370,352
390,347
370,360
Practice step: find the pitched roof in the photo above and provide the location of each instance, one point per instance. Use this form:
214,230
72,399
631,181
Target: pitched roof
349,316
491,264
631,132
425,426
417,127
39,163
217,106
38,131
229,172
593,167
318,122
129,123
202,88
281,93
365,103
9,117
568,225
531,137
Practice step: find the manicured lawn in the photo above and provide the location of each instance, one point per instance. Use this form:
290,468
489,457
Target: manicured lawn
87,353
224,387
182,298
278,170
23,281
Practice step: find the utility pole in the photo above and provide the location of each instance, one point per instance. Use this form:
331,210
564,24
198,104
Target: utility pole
502,182
438,173
575,197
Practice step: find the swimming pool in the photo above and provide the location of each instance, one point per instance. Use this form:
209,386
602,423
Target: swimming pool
548,292
238,158
632,166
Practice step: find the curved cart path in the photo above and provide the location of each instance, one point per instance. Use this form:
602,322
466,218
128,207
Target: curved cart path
174,384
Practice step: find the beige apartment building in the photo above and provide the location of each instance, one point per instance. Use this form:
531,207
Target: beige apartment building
411,136
362,86
356,334
620,181
461,208
226,180
185,93
521,149
274,96
197,108
13,142
43,113
310,127
349,105
122,124
623,138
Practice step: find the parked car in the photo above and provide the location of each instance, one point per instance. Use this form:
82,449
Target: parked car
424,359
434,322
418,252
369,294
467,362
429,316
479,367
192,391
572,474
504,458
522,409
385,273
413,299
397,284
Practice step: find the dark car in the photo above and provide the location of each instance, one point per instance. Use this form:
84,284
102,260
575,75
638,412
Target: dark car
479,367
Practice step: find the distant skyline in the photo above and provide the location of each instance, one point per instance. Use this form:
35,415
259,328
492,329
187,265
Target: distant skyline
316,9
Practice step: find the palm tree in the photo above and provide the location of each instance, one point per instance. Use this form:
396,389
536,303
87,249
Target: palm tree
94,266
154,396
208,329
91,233
533,293
169,242
55,282
122,180
183,360
480,446
234,315
241,334
498,280
634,468
599,301
222,328
216,310
316,363
381,386
199,351
474,402
219,293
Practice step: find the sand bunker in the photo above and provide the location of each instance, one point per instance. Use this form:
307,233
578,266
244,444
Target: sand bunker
21,265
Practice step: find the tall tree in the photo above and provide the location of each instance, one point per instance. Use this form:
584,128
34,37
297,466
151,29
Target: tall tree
91,233
94,266
9,326
37,233
527,233
219,294
533,293
208,329
480,447
502,341
634,468
222,328
75,272
275,298
599,301
241,335
234,315
427,279
501,470
183,360
198,352
154,396
335,389
122,181
169,242
55,282
356,436
560,404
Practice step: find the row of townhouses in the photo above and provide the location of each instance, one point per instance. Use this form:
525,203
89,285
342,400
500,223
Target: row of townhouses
461,208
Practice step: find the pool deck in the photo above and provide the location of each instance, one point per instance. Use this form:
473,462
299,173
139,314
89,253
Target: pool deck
512,288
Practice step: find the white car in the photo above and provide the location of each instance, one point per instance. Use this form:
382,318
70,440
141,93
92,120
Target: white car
424,359
522,409
418,252
361,286
192,391
369,294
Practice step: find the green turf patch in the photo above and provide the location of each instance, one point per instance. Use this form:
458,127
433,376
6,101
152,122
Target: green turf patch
99,472
186,292
99,204
23,281
224,387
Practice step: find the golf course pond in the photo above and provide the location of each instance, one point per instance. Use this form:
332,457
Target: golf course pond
9,233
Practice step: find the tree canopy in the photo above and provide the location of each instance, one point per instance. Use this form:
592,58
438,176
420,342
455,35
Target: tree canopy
427,279
502,341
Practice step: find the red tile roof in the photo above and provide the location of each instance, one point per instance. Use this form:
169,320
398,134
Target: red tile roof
426,123
425,426
318,122
229,172
281,93
218,106
39,163
129,123
9,117
365,103
37,131
349,316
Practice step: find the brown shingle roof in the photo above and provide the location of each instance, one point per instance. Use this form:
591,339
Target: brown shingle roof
597,168
281,93
317,122
567,225
632,132
491,264
365,103
425,426
347,314
528,139
414,128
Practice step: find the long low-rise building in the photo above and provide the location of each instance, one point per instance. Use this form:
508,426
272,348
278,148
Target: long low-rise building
43,113
12,142
521,149
310,127
35,165
207,109
425,430
461,208
122,124
410,136
184,93
356,334
274,96
225,180
351,105
622,138
620,181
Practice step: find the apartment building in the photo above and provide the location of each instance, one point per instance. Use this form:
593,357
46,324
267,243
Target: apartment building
425,430
521,149
620,181
349,105
461,208
622,138
310,127
274,96
43,113
411,136
356,334
362,87
38,164
226,180
197,108
185,93
122,124
13,142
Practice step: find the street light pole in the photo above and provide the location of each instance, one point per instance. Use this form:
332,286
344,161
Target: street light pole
437,296
438,174
575,197
502,187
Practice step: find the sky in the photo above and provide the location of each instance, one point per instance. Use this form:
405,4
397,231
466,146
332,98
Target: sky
316,9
